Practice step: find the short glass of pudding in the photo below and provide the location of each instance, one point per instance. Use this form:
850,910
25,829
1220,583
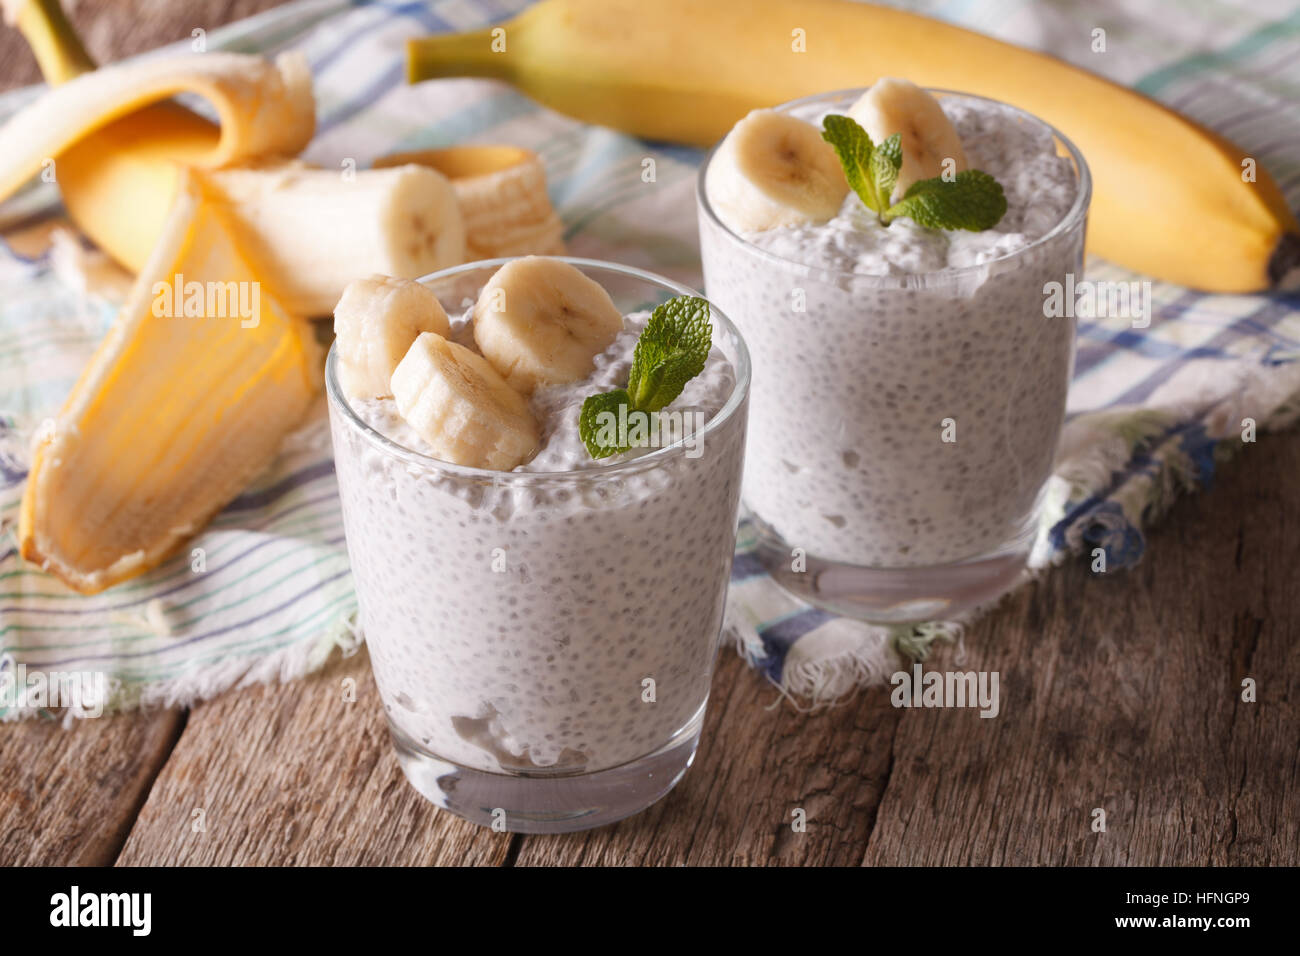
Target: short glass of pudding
910,386
542,600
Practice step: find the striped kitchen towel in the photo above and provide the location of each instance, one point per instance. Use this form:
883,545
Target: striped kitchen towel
265,591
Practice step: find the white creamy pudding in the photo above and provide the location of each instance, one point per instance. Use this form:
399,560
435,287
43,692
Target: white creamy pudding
909,391
563,614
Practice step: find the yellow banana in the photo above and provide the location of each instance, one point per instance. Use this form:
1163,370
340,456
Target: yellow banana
1169,197
117,145
265,108
203,371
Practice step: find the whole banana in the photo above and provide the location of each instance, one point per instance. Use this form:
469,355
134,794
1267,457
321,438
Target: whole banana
1170,199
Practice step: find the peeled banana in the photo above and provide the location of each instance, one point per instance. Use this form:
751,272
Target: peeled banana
183,403
774,169
117,145
462,407
542,321
1169,197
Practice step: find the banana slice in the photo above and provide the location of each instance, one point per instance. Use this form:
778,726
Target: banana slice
313,230
458,403
375,323
773,170
541,321
928,137
502,195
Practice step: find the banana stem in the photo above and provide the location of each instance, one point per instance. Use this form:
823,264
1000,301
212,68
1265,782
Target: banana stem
455,54
56,45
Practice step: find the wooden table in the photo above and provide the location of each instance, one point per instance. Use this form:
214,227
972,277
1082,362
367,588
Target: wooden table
1119,691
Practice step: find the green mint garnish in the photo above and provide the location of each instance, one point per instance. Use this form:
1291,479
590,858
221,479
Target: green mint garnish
670,351
973,200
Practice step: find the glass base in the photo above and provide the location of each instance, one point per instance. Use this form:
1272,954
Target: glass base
894,595
548,803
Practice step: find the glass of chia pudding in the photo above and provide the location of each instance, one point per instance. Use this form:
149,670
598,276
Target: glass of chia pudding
909,390
542,623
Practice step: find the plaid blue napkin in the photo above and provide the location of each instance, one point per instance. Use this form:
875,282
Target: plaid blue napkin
1153,411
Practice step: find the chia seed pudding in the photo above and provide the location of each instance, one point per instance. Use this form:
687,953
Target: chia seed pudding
909,390
515,618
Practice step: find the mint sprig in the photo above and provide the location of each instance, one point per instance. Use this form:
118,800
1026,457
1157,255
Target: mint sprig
671,350
972,200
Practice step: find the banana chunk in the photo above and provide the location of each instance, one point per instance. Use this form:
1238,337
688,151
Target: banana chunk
502,195
458,403
773,170
927,135
375,323
313,230
541,321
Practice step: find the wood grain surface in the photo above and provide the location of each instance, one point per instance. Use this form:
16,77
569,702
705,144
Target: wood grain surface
1119,692
71,796
297,774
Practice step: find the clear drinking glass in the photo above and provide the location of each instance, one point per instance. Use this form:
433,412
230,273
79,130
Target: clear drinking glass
544,641
903,426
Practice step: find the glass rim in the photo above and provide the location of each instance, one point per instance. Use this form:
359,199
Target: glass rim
1073,216
739,392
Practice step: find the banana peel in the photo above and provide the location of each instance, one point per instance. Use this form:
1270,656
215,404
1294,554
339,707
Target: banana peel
263,109
187,397
180,407
184,401
116,140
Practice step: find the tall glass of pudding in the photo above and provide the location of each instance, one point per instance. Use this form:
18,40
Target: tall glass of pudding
542,629
909,382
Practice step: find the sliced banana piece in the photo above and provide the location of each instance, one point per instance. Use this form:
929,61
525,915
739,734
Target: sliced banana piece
502,195
462,407
375,323
541,321
314,230
774,169
928,137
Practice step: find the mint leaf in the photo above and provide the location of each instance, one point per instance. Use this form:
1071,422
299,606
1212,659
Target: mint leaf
671,351
886,161
599,420
973,200
853,146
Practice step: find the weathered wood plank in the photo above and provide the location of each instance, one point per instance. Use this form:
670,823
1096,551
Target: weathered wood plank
1123,692
297,775
69,797
756,765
